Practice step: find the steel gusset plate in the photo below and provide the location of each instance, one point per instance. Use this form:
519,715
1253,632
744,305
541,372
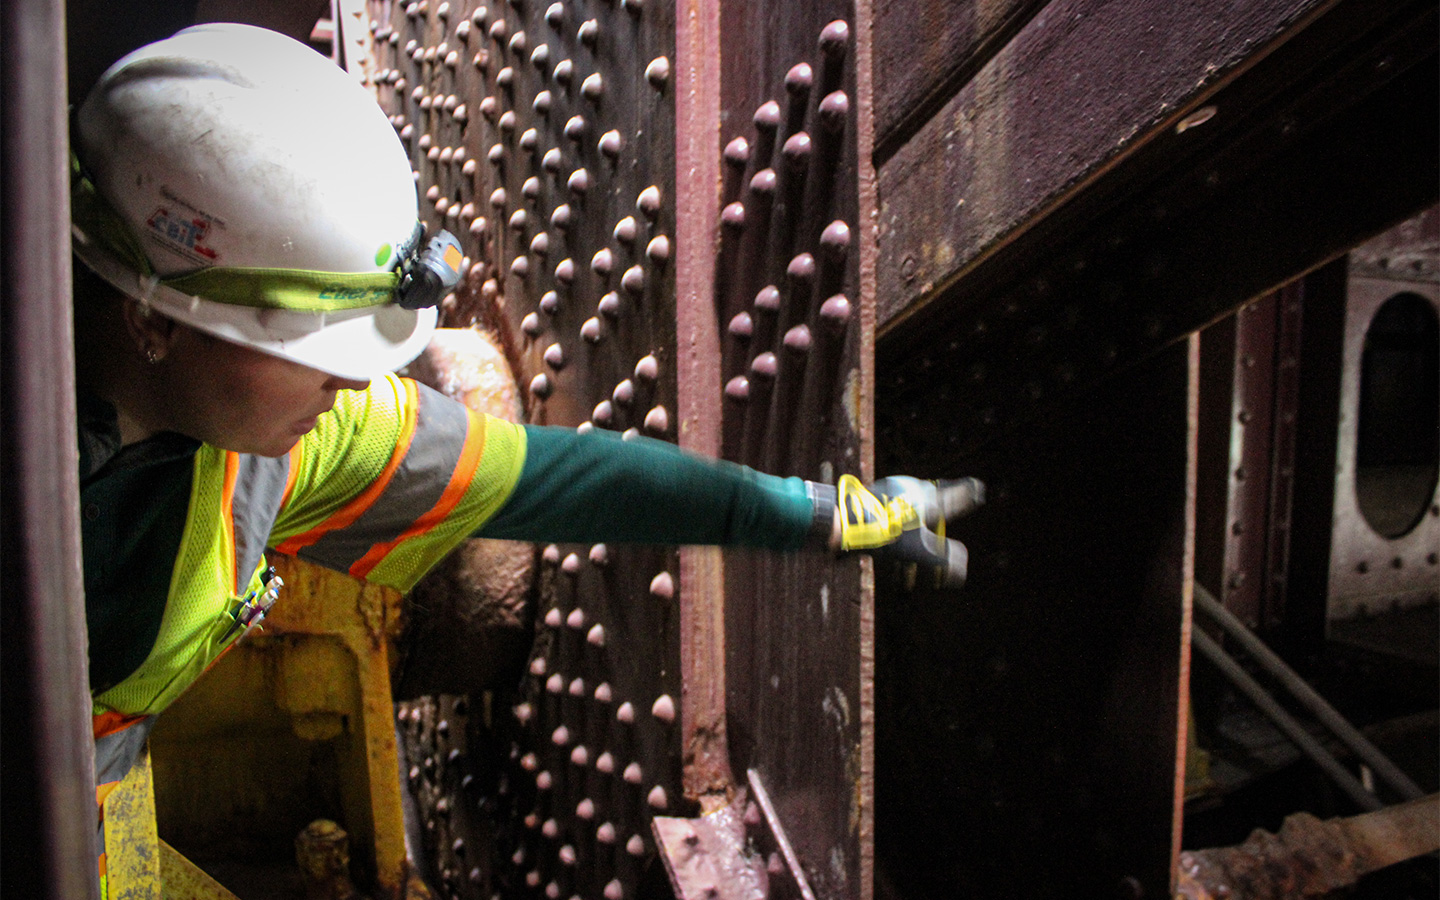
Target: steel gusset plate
543,136
789,303
1044,707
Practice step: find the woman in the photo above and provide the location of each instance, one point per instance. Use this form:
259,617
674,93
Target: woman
251,272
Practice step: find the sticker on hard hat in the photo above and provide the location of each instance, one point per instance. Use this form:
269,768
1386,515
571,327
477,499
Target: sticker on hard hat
182,235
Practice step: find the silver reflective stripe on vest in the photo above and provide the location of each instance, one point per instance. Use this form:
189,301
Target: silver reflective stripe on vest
414,489
259,488
116,752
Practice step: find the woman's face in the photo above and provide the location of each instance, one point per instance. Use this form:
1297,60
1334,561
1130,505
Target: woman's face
240,399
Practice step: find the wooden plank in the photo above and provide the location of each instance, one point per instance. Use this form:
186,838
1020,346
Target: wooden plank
926,50
1051,111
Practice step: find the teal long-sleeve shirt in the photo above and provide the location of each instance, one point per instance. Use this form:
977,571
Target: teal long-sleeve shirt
572,487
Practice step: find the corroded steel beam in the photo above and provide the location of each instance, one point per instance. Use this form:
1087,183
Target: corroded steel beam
1309,857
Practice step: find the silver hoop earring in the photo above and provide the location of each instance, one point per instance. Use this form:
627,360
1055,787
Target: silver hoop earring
152,356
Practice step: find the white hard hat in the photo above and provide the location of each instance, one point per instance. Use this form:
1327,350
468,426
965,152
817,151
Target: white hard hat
245,185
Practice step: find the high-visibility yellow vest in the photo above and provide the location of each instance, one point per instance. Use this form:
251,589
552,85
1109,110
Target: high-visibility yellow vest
388,482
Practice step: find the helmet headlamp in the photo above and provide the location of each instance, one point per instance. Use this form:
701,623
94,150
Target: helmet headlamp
428,275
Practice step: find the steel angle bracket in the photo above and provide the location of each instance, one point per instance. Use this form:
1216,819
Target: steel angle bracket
738,852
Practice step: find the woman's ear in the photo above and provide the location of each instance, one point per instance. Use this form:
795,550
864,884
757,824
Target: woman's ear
152,332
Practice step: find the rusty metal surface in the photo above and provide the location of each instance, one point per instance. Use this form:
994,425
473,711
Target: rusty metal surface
1309,857
788,295
49,814
926,51
1045,707
543,135
1130,265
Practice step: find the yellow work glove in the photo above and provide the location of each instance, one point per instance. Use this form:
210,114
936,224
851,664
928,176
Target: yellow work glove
903,519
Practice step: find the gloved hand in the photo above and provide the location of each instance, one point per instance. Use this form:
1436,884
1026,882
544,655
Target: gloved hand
903,518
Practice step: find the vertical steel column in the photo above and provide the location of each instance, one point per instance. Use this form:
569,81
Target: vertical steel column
49,815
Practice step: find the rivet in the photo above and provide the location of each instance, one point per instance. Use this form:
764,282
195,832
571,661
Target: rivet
596,636
610,143
657,798
752,816
529,138
658,72
593,87
542,103
496,154
555,357
834,37
555,683
497,30
551,554
452,59
801,269
519,219
664,709
576,619
507,120
469,168
589,32
602,262
532,877
552,161
580,756
741,325
835,310
462,31
835,240
602,413
428,55
564,71
540,386
629,434
433,192
459,153
518,857
481,59
590,331
407,132
658,249
531,188
560,736
657,420
605,834
764,365
570,564
529,762
733,215
635,846
524,712
737,152
433,154
531,325
555,14
575,128
540,244
443,10
425,142
633,280
633,773
623,394
648,368
738,388
544,781
614,890
774,864
834,110
663,586
767,117
551,828
518,43
799,78
797,149
479,15
649,201
798,338
565,271
540,57
602,692
763,183
626,714
585,427
585,809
